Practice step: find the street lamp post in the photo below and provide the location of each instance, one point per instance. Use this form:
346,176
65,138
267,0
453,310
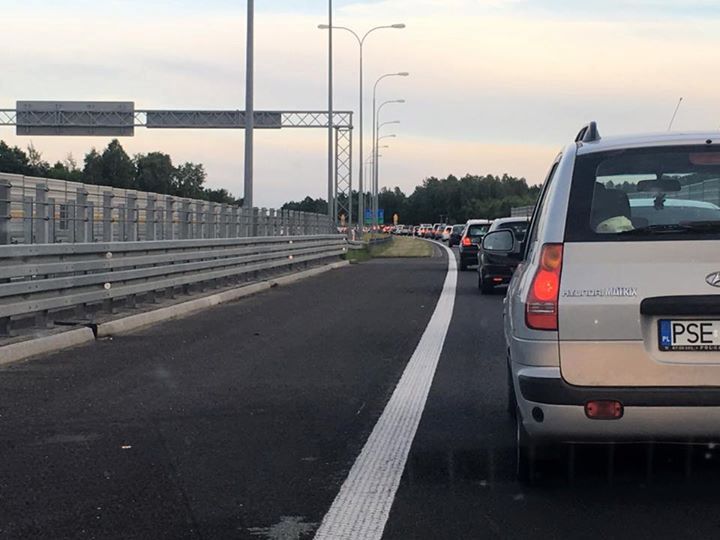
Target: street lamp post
374,118
331,133
376,168
249,105
374,123
377,132
361,43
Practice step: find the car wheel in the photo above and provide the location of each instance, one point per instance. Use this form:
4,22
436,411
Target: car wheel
484,287
463,265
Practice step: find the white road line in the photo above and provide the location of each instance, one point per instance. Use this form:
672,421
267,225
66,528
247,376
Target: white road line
362,507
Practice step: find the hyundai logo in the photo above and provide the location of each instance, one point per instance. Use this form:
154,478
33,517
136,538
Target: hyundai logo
713,279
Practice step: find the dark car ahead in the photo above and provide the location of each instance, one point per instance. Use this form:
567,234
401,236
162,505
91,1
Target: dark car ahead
494,269
475,230
456,235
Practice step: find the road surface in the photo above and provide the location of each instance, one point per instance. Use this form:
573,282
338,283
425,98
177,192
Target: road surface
244,421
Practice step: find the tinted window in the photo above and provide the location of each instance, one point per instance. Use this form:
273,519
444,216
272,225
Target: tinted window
519,228
646,194
477,231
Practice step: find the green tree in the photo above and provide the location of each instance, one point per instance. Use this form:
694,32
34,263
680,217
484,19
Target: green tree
308,204
93,170
189,180
154,172
13,160
118,170
219,196
37,166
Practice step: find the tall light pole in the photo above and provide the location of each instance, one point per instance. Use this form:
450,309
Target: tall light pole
361,43
376,194
370,161
374,119
331,134
377,133
249,105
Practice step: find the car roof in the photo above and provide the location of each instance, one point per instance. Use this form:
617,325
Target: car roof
516,219
478,222
672,138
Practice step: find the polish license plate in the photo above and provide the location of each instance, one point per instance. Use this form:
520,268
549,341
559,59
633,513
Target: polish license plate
689,335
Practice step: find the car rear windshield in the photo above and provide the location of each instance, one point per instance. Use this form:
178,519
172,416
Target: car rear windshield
646,194
477,231
519,228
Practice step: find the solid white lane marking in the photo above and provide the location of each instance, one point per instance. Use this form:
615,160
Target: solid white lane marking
362,507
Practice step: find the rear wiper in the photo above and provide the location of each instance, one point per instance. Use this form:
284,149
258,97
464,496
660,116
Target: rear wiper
702,226
658,229
683,227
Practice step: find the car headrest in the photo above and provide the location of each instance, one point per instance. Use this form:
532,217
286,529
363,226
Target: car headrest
609,203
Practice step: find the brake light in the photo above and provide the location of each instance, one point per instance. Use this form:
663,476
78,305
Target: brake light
541,310
466,241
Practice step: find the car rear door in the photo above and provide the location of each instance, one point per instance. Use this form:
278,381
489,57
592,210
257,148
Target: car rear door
638,306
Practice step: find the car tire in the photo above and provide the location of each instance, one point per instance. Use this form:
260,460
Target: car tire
463,265
483,286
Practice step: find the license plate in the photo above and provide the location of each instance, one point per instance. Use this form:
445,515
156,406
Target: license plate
687,335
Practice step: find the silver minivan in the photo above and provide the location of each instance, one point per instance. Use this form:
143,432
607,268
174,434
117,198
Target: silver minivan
612,319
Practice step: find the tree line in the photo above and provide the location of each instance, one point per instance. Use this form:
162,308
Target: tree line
448,200
113,167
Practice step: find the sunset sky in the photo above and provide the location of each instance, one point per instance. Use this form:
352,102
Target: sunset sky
496,85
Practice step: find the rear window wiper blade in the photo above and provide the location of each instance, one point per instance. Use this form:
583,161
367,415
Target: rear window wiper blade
669,228
702,226
658,229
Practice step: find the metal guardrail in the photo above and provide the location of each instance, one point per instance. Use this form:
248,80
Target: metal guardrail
45,210
46,282
522,211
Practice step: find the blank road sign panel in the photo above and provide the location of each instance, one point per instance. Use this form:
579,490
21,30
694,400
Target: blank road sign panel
210,119
82,118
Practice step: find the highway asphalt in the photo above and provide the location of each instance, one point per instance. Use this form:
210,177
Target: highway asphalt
244,420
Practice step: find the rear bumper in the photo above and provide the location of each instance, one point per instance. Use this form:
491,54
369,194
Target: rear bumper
491,271
469,257
650,414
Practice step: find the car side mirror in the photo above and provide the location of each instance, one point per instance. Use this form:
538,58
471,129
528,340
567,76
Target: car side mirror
499,242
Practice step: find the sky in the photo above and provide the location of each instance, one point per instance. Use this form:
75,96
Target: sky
496,86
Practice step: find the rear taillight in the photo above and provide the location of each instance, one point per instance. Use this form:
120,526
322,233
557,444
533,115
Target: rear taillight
466,241
541,310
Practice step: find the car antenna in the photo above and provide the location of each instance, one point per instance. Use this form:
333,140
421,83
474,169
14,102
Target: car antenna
672,120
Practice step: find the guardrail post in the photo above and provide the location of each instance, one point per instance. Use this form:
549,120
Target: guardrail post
210,220
150,217
122,218
234,232
254,224
27,219
242,214
90,221
273,223
81,215
169,233
107,221
198,220
132,217
41,213
224,221
5,187
263,228
51,223
185,219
